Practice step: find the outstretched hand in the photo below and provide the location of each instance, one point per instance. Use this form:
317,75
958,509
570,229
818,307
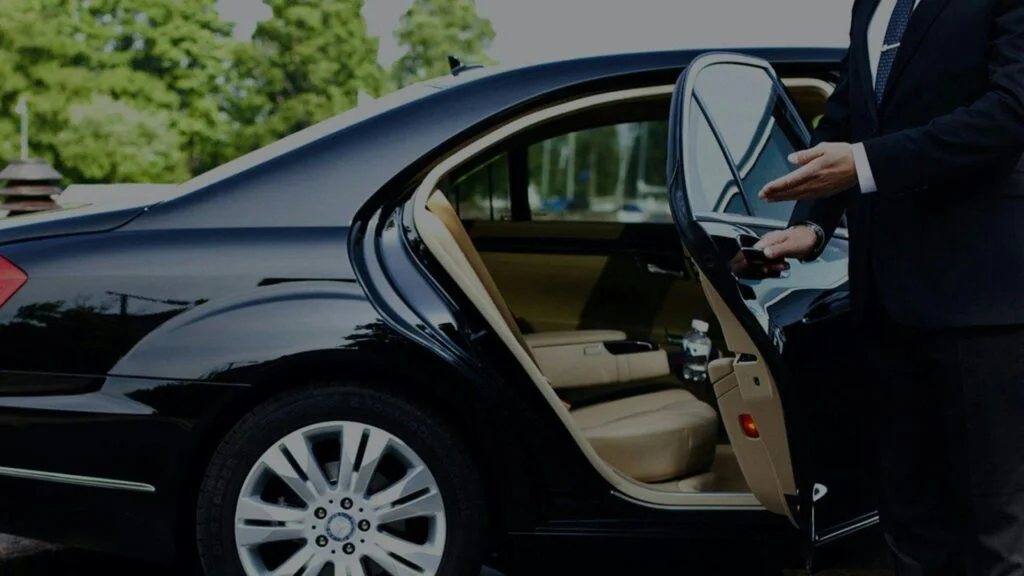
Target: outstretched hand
825,170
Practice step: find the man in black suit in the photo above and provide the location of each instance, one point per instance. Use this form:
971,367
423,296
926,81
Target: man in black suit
921,148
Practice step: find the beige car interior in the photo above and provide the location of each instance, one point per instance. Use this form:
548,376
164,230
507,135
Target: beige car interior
656,447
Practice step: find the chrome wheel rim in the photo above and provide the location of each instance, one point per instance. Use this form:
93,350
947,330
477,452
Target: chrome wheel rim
339,498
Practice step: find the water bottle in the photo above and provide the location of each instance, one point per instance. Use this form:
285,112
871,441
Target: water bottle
697,347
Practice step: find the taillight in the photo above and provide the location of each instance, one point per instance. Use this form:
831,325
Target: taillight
12,279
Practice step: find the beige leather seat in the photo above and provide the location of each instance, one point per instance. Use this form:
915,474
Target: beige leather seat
656,437
653,437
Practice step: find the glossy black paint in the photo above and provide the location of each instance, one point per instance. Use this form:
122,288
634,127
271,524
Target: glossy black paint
145,331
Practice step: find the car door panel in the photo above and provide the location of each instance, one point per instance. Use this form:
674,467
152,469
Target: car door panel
593,275
797,367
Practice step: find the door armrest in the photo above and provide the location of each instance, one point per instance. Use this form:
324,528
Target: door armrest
594,364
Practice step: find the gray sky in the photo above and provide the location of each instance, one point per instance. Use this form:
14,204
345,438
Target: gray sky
531,30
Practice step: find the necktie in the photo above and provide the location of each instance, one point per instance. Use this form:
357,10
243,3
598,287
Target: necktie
891,45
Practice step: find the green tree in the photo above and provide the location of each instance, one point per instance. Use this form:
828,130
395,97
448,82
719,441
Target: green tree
109,141
165,58
182,44
308,62
431,30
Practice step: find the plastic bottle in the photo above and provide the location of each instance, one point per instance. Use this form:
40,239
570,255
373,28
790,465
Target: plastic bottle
697,347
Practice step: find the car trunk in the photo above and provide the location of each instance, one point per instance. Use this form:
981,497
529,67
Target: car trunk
85,209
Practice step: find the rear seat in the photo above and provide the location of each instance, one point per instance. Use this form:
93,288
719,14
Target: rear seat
654,437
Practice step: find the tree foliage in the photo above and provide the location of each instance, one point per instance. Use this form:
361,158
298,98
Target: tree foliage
109,141
431,30
104,58
161,90
308,62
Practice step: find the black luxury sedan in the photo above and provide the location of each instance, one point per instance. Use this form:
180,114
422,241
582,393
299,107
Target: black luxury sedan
447,328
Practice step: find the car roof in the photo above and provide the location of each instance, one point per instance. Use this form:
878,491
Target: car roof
356,152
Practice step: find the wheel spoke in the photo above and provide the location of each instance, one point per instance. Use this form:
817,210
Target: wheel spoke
351,436
427,557
254,509
276,461
297,562
353,568
428,504
298,447
248,535
376,443
415,479
315,566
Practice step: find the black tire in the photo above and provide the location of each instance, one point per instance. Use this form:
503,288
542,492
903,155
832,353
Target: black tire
419,427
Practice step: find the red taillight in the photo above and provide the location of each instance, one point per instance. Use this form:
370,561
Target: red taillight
749,426
12,279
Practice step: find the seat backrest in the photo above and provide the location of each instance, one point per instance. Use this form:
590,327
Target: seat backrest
439,206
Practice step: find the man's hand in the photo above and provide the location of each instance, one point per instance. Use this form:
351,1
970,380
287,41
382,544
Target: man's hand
826,170
795,242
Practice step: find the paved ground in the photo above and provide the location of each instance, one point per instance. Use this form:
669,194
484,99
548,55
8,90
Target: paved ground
28,558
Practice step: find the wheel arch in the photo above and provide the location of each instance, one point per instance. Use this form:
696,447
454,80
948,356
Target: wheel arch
506,464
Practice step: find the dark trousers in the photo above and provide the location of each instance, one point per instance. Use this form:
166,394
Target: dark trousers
952,446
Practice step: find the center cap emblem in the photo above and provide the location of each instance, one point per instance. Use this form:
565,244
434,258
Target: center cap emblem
340,527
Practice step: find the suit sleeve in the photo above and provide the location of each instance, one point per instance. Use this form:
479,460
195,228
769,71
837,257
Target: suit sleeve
971,138
833,127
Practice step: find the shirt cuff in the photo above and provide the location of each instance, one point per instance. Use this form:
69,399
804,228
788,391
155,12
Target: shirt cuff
864,176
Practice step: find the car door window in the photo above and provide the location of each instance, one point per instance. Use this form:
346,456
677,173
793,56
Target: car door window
482,193
711,167
613,173
755,129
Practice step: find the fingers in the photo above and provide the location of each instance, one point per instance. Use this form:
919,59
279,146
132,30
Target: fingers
770,239
780,249
804,156
779,187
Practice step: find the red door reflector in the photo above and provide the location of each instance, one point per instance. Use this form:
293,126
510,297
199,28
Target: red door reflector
749,426
12,279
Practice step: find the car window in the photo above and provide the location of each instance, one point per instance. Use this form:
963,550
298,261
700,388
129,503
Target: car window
612,173
711,172
749,113
483,192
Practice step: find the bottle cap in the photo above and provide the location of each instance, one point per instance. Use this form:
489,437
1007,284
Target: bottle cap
700,325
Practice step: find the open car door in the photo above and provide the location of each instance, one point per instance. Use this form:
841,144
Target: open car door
795,405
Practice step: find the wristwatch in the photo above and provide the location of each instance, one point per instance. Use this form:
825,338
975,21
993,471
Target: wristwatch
819,245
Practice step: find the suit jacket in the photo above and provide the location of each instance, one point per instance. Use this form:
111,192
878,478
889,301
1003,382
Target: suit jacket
942,239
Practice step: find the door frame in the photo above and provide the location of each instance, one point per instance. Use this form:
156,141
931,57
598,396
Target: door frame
621,486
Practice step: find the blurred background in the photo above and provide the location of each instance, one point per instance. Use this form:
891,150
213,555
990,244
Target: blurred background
158,91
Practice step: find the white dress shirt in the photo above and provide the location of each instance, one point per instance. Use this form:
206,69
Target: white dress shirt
876,39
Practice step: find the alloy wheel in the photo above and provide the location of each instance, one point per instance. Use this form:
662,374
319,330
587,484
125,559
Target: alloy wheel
340,498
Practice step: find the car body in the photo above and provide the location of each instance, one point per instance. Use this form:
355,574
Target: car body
139,336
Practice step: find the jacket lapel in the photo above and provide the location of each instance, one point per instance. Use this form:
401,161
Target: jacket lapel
920,22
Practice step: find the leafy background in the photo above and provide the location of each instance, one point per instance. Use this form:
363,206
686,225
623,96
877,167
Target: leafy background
162,90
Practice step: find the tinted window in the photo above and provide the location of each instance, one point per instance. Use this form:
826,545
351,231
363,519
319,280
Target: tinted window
712,175
610,173
483,192
750,115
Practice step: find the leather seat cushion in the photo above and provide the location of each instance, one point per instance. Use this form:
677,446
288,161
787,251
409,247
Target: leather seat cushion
653,437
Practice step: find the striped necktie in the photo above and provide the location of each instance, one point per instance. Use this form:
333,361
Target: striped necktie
891,45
